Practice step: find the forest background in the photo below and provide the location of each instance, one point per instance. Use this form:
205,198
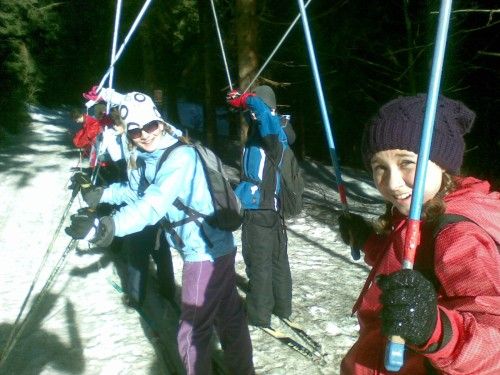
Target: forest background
368,52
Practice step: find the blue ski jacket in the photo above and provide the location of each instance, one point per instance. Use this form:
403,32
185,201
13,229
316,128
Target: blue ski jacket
152,195
260,182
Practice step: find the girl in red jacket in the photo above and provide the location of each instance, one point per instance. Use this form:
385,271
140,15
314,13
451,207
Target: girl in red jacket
448,307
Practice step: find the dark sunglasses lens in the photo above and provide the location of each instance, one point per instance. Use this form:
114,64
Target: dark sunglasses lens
150,127
134,133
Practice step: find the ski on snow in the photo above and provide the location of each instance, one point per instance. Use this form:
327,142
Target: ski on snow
313,354
304,336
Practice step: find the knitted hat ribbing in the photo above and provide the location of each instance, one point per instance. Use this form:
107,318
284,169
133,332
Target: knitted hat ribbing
398,125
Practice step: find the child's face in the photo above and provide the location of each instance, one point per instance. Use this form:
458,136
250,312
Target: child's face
394,173
149,141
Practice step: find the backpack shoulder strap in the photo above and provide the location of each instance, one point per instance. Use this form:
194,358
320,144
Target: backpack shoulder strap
446,219
192,215
427,268
166,153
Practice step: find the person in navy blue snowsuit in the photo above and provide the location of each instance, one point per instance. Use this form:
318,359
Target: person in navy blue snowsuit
264,238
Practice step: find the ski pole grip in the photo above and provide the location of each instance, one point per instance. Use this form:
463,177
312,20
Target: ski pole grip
394,353
395,349
355,253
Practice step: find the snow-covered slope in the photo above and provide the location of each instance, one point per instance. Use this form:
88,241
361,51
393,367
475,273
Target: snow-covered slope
81,326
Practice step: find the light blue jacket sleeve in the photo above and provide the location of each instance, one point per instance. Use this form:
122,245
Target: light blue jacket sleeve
119,193
158,197
180,177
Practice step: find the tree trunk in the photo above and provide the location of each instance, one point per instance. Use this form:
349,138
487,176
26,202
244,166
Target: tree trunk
207,36
246,37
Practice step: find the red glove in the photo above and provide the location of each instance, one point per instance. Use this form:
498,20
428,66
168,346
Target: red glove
92,94
238,100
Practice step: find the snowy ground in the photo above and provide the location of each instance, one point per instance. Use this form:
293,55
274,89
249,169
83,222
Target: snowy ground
80,325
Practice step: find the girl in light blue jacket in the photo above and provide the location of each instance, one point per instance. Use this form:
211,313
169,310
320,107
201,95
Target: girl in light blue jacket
175,193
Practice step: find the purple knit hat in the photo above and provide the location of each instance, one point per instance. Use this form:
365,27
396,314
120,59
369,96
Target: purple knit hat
398,125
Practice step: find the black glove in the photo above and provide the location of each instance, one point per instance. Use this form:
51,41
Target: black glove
90,194
354,230
79,180
409,306
86,225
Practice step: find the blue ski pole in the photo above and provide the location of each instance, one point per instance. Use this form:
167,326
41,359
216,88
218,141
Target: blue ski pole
221,45
355,253
118,54
118,13
394,355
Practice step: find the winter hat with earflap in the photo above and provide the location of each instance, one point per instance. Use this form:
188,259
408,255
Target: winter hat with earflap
266,93
398,125
137,109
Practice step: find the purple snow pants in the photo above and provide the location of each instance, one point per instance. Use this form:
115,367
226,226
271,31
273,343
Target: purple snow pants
210,299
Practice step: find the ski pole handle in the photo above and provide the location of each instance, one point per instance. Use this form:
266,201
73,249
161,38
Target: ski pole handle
395,349
394,353
355,253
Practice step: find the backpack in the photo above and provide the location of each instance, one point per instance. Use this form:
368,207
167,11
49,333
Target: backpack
228,214
427,268
293,184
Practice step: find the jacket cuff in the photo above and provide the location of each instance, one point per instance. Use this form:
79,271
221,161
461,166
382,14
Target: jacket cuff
442,338
105,232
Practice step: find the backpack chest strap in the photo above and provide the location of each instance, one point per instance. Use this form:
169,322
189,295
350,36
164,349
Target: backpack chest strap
192,216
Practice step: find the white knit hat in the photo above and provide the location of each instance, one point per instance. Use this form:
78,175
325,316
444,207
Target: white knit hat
138,109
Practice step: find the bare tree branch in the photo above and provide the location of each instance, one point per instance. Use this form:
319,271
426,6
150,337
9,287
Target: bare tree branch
476,11
486,53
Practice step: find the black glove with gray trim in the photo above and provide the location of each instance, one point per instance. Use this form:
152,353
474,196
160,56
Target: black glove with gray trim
85,225
91,194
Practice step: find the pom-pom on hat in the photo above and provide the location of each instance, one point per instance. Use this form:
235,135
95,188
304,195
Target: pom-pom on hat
266,93
137,109
398,125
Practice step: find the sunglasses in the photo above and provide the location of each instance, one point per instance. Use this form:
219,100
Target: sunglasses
148,128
